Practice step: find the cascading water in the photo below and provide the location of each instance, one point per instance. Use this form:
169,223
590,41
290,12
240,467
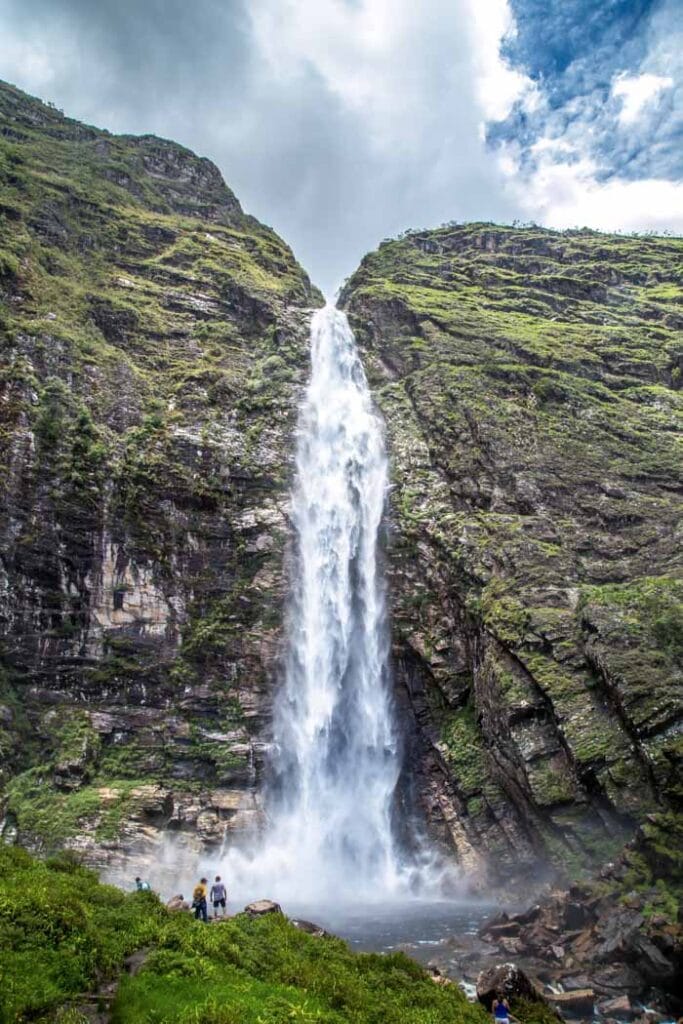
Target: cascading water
336,748
335,758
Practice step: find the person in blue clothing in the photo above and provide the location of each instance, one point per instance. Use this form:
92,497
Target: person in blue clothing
140,885
501,1010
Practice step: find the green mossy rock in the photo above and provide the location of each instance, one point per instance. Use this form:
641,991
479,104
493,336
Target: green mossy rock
530,382
153,342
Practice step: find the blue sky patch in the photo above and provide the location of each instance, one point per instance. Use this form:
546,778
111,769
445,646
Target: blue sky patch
608,85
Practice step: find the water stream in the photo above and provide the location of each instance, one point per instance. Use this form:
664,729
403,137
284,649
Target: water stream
336,759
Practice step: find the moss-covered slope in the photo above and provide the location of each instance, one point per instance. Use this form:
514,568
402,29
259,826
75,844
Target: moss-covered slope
531,382
152,342
64,938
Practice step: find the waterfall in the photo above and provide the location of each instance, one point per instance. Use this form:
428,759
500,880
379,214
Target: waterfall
335,759
336,750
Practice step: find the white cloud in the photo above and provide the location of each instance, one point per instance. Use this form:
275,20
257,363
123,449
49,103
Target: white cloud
572,175
497,85
568,195
32,63
636,92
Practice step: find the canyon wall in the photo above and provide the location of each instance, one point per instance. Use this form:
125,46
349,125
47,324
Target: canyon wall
154,345
531,385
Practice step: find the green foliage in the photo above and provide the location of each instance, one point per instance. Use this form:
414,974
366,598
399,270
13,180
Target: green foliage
62,933
502,612
52,816
652,605
59,930
265,971
533,1012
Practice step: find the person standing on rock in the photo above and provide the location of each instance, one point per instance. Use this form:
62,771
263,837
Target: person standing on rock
501,1010
199,901
219,897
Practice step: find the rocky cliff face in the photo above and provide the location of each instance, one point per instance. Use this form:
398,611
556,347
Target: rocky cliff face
530,383
154,341
154,345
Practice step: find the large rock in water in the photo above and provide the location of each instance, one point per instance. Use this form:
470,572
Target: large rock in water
530,381
507,980
154,343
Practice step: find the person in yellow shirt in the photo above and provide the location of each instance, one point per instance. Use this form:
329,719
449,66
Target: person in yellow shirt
199,901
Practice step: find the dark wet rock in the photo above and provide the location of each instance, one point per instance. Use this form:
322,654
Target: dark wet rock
509,980
503,929
619,1007
572,983
615,979
577,1003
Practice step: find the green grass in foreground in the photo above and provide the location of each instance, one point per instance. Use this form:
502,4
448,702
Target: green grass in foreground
62,934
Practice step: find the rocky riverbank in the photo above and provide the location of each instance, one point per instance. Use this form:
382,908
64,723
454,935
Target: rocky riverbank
614,944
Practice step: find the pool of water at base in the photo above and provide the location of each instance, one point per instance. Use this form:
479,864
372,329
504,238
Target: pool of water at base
423,930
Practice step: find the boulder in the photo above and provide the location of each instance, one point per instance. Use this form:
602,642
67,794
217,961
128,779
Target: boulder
616,979
136,961
619,1006
578,1003
656,965
260,907
508,979
309,927
177,903
575,982
505,929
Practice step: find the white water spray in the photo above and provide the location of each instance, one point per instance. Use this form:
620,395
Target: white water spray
335,759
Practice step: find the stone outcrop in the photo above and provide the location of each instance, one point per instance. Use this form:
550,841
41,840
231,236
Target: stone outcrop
260,907
530,381
508,981
154,344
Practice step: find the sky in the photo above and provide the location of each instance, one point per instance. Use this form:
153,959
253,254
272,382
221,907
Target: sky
342,122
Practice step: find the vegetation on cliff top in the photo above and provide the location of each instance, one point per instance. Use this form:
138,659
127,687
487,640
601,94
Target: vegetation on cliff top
63,934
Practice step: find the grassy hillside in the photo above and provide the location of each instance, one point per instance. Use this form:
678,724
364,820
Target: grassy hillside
64,935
